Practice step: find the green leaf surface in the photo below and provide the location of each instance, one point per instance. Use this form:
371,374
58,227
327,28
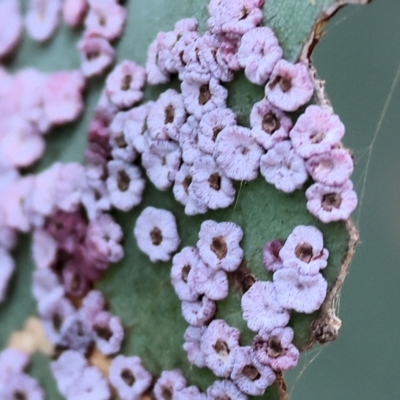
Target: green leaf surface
138,290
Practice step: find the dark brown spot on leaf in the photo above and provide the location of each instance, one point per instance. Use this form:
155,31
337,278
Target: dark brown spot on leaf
245,150
144,128
57,322
270,123
274,348
317,137
216,131
331,200
204,95
167,393
219,247
243,13
169,114
19,395
186,183
285,84
120,140
247,282
221,348
304,252
103,332
128,377
251,372
156,236
123,181
185,272
91,55
126,82
215,181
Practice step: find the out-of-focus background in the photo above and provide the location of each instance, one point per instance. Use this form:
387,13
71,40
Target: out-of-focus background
359,57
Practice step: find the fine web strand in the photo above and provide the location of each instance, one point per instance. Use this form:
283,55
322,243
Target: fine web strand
308,358
356,10
374,138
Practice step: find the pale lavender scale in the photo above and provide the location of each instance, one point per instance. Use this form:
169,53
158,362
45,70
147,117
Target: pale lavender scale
192,345
125,185
251,377
177,62
304,250
290,86
275,349
91,385
108,332
21,386
183,267
105,19
75,283
227,53
196,72
124,85
199,312
211,59
283,167
237,153
332,169
206,280
129,377
262,308
53,314
298,292
42,19
259,51
46,288
234,17
218,245
168,384
209,185
67,369
97,55
12,361
104,238
166,116
156,233
93,303
183,180
211,124
272,261
269,124
316,131
331,203
136,130
74,335
217,344
200,98
95,197
164,56
161,161
188,141
167,59
121,147
225,389
156,74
